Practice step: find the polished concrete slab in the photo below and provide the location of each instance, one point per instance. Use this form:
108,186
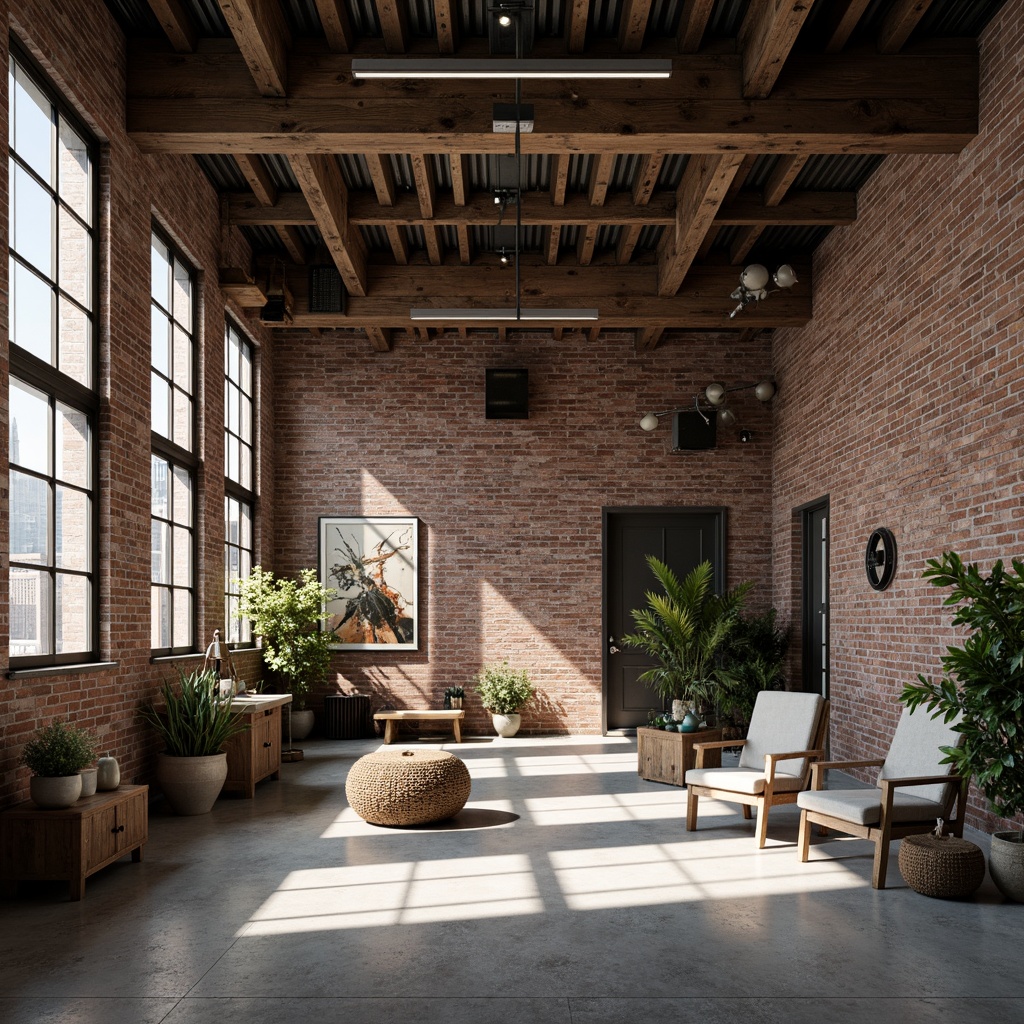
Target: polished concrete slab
568,892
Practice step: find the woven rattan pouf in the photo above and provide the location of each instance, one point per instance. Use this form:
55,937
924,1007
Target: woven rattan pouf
407,787
941,866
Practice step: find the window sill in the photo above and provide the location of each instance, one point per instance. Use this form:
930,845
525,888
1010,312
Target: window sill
60,670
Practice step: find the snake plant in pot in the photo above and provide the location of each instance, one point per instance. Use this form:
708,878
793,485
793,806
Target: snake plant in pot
983,681
194,721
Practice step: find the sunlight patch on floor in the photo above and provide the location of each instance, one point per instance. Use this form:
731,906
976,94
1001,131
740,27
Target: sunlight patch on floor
604,807
348,823
378,895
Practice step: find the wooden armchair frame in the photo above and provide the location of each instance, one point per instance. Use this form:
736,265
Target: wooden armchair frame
768,797
882,833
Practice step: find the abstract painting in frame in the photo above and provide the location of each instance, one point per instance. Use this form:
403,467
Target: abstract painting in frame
372,562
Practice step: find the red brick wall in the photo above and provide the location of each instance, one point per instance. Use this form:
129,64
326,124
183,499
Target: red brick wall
901,400
88,68
510,510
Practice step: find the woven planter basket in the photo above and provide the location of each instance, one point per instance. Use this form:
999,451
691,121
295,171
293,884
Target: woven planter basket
407,787
942,866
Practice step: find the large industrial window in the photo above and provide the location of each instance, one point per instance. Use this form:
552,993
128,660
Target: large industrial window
172,386
239,483
51,400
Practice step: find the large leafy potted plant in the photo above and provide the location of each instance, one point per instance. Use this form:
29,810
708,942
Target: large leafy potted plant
753,657
55,756
194,721
503,691
983,684
684,629
288,615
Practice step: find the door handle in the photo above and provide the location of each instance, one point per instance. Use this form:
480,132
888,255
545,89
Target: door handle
612,649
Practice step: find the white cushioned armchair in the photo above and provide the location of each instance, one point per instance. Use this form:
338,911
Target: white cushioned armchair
787,730
912,791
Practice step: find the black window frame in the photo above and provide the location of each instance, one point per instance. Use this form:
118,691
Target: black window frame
59,387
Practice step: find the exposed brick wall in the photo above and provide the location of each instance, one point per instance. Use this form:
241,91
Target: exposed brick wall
510,510
901,400
88,68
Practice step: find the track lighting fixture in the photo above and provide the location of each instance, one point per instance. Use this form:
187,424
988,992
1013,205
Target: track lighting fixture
715,395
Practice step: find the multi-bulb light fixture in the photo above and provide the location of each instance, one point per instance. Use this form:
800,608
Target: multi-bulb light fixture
715,395
754,284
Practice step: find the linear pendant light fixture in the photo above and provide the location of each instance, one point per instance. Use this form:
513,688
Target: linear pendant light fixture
502,313
509,67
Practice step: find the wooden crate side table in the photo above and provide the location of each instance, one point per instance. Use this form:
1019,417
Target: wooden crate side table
664,756
255,754
72,844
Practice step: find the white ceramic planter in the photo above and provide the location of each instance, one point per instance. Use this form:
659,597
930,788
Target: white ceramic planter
191,784
506,726
55,793
89,779
1006,864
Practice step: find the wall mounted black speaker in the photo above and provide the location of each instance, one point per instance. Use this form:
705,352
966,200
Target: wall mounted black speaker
507,395
326,291
692,433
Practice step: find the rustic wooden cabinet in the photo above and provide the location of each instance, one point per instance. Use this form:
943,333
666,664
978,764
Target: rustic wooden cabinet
74,843
255,754
664,756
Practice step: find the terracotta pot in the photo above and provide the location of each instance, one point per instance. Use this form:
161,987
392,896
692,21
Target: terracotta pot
506,726
191,784
1006,864
56,792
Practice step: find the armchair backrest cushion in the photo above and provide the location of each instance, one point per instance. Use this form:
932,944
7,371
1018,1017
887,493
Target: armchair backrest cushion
782,721
914,751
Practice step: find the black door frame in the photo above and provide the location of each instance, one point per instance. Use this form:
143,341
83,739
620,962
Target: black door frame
808,655
718,580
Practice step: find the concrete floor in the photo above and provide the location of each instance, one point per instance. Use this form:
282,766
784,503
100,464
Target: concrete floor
568,892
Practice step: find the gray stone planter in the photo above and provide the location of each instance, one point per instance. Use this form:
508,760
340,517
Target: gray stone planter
1006,864
191,784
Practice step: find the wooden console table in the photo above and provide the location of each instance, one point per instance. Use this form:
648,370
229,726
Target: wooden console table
664,756
392,718
72,844
255,754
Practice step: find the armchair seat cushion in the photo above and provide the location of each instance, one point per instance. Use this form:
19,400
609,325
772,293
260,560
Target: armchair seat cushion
864,806
749,781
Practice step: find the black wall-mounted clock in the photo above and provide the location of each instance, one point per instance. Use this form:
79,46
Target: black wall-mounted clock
880,558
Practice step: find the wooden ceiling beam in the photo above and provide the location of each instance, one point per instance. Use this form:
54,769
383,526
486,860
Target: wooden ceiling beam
383,178
178,26
261,32
446,21
559,178
554,243
394,24
700,194
399,241
337,24
327,195
852,103
646,180
746,208
647,338
633,24
900,22
379,338
262,185
843,20
576,16
693,22
293,243
625,296
600,178
785,172
766,38
426,183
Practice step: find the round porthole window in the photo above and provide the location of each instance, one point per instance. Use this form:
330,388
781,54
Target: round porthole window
880,558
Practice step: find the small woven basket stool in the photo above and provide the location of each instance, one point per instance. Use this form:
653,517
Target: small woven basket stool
407,787
942,866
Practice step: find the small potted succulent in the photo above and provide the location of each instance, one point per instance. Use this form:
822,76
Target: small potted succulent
453,696
55,756
503,690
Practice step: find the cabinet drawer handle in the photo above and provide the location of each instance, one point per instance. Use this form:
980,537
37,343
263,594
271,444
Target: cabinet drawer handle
117,828
268,744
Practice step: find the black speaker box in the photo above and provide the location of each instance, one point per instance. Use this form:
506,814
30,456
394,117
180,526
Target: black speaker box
507,395
692,433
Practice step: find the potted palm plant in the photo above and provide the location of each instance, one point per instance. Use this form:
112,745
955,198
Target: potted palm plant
55,756
503,691
194,721
983,684
684,629
288,616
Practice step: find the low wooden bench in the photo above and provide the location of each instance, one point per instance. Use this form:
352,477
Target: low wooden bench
392,718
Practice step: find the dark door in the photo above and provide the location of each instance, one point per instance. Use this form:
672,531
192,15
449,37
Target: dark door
815,599
683,538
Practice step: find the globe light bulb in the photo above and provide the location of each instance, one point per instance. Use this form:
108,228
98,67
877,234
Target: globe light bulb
785,276
649,422
765,391
754,277
715,393
727,417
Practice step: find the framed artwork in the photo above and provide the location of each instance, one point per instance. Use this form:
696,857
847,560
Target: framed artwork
372,562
